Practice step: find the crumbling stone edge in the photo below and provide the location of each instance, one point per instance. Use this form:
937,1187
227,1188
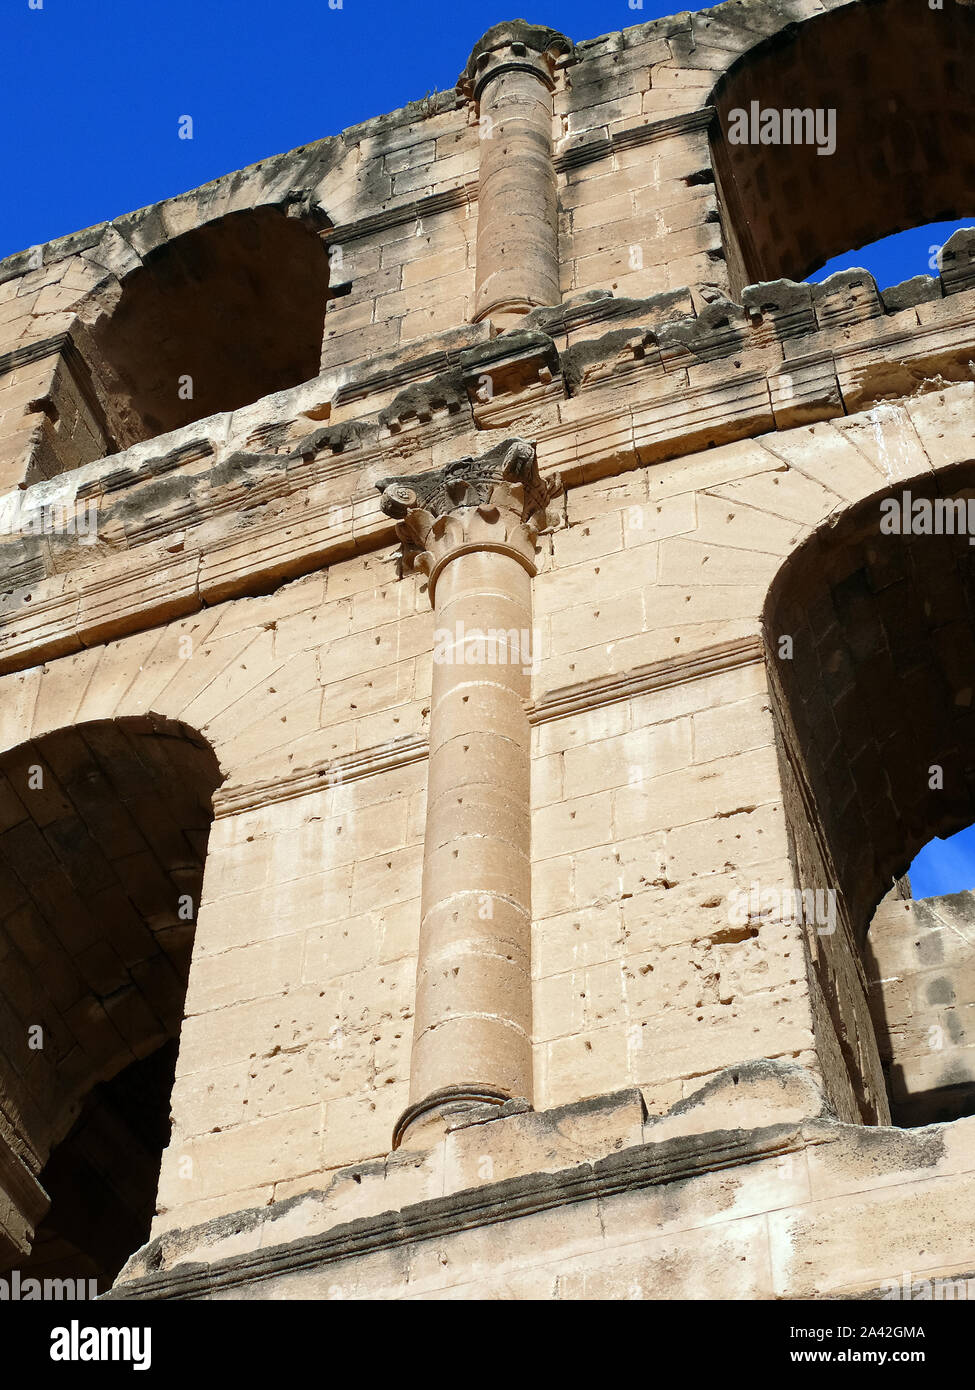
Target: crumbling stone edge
629,1170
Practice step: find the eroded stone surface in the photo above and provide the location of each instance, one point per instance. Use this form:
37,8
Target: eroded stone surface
681,1038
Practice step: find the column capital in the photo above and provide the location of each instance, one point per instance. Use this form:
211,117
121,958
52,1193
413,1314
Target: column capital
494,502
516,46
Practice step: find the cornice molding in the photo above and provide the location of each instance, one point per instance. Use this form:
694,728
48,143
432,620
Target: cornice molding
631,1170
465,194
592,151
383,757
415,210
51,581
643,680
35,351
562,703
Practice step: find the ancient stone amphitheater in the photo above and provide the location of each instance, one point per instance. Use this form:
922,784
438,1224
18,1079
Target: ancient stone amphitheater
463,720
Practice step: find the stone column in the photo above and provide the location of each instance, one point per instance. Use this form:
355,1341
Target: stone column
510,77
471,528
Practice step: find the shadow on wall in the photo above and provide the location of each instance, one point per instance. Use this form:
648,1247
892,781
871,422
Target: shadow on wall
871,647
103,840
103,1176
211,321
889,143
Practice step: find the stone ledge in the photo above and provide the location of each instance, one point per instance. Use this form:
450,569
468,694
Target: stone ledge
504,1165
753,1158
628,1171
656,335
234,798
305,496
776,1199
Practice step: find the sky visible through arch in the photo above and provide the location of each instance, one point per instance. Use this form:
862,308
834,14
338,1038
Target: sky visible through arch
945,866
95,91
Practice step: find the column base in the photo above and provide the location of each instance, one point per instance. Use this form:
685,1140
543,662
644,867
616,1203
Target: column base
505,314
449,1108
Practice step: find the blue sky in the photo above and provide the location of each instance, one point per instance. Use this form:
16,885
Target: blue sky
94,92
945,866
897,257
94,88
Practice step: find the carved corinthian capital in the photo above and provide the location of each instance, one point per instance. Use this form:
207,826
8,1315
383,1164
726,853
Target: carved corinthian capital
513,46
494,502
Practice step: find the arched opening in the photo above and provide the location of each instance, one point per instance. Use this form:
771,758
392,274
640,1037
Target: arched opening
103,835
897,78
871,642
211,321
102,1177
944,865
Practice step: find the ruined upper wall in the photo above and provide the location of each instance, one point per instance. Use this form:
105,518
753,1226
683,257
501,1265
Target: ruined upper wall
368,243
240,502
315,697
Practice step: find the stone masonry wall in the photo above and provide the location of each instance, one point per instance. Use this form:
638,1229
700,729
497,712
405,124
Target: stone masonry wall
919,965
251,583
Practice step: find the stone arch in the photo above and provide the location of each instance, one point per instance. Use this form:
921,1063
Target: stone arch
870,646
737,514
872,615
898,77
224,671
104,835
208,320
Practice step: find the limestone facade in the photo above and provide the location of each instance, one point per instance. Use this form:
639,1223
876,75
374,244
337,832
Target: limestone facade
538,965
